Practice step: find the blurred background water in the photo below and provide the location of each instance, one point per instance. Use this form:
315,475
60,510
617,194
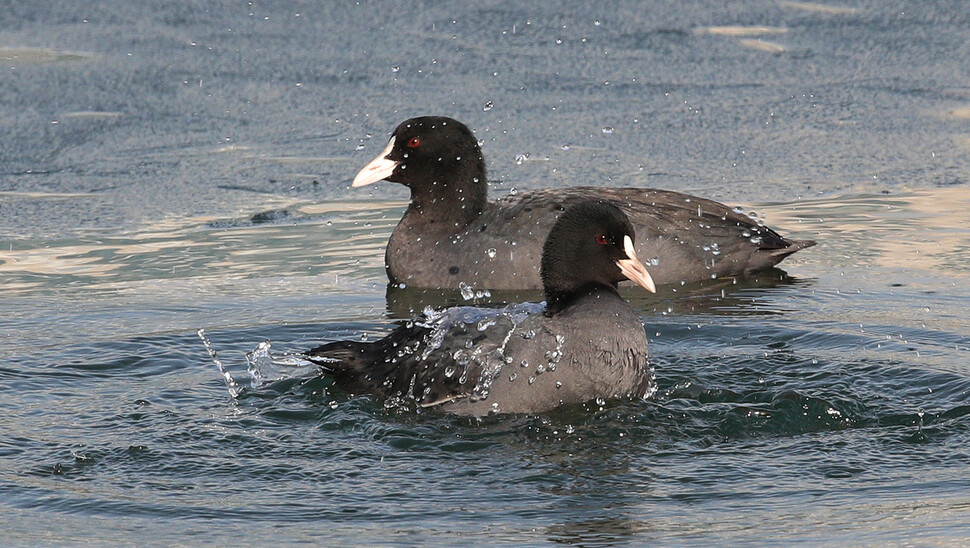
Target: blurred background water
173,166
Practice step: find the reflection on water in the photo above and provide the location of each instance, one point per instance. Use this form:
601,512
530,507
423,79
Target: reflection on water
17,57
594,532
331,240
821,8
921,230
926,230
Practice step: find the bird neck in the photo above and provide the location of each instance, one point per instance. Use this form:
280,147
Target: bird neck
452,203
558,300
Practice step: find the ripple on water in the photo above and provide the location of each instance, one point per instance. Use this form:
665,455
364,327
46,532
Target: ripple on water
17,57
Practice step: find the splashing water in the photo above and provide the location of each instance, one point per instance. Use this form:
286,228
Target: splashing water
231,383
262,365
442,322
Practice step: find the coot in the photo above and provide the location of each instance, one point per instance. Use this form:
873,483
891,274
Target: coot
451,233
585,342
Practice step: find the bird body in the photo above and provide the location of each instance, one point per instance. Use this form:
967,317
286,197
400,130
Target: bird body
451,234
584,342
474,361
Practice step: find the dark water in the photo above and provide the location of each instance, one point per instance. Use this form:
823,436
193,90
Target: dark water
185,166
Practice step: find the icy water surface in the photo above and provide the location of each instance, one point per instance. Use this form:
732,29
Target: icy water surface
185,166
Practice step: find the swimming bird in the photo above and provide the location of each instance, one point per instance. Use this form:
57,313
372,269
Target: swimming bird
452,234
585,342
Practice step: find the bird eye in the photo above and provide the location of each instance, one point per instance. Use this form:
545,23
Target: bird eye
414,142
602,239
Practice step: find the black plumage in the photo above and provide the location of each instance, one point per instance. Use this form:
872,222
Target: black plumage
586,342
451,233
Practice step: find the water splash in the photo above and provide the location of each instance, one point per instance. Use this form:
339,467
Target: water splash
231,383
442,322
469,293
264,367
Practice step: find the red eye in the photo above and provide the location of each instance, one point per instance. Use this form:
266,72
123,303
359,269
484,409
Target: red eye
602,239
414,142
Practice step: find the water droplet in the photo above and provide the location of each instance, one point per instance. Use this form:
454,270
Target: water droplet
513,191
395,69
512,377
467,292
449,371
360,146
558,384
521,158
488,106
532,380
491,252
607,130
565,147
329,223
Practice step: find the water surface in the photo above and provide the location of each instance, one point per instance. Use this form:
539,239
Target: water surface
186,166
